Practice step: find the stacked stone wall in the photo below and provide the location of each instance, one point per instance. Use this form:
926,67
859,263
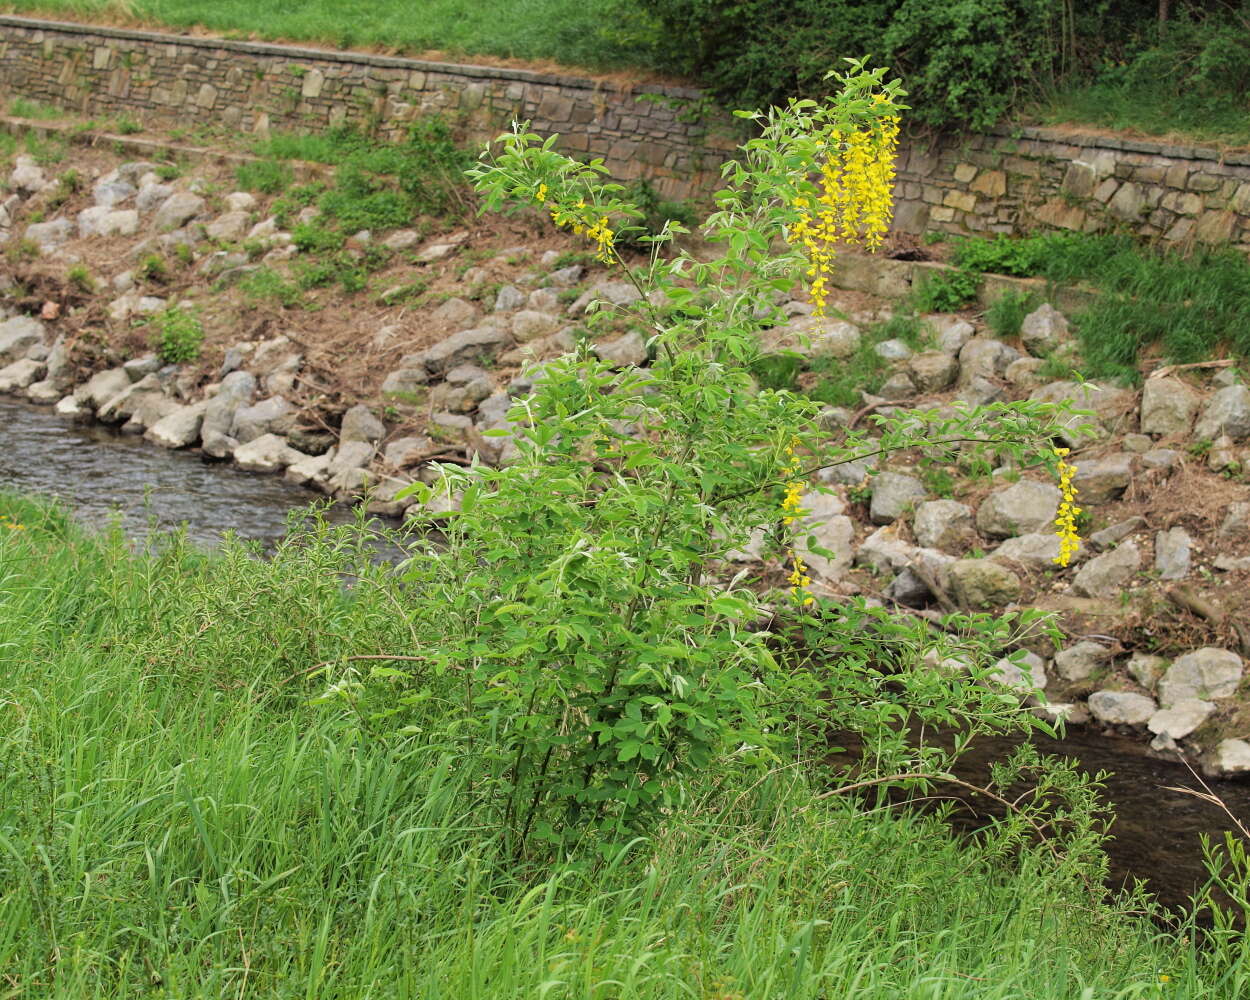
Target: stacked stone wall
1033,178
661,133
1013,181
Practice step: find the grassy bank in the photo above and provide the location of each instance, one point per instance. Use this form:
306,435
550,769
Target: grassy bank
178,819
577,34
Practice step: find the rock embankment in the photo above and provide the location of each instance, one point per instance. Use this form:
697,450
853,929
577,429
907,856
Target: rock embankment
1160,470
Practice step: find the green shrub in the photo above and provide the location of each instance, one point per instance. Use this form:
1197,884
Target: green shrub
265,176
178,335
1006,313
266,285
946,291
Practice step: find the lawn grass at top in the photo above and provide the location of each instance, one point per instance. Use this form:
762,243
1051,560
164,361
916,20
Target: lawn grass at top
178,818
591,33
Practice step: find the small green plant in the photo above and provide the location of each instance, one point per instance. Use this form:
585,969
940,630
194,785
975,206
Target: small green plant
125,125
264,176
946,291
178,335
1006,313
21,107
153,268
267,286
184,254
80,278
313,237
168,171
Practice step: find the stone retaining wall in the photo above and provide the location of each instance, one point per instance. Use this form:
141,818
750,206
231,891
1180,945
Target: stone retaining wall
1033,178
655,132
1013,181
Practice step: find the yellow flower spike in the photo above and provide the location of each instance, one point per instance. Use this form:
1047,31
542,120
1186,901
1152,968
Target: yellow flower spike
541,194
1065,517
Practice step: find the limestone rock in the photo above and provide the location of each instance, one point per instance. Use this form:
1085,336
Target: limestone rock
267,453
1103,480
177,210
1021,508
1180,719
1122,708
1229,758
1146,669
1080,661
1117,532
950,333
1108,574
527,325
237,389
884,551
1044,330
1207,673
984,357
359,424
981,584
933,371
179,428
406,451
18,335
101,387
1236,523
1168,406
1023,670
1110,405
269,416
892,350
1227,412
1035,551
456,313
47,236
19,374
228,226
897,387
893,494
617,293
628,349
944,524
152,196
467,345
826,525
1172,553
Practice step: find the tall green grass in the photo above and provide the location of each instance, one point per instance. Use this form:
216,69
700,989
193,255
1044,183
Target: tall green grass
1187,306
597,33
180,818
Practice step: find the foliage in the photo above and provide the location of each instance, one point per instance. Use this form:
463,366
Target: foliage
178,334
265,285
254,844
946,291
265,176
1005,316
594,659
1191,307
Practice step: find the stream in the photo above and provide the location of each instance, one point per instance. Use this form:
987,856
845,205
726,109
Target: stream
100,473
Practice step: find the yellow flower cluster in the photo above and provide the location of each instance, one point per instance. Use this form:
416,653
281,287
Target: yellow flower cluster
8,522
577,220
855,201
1065,519
791,508
541,194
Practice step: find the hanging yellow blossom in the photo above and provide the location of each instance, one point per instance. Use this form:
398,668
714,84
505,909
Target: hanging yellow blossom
855,203
791,507
1065,518
580,223
541,194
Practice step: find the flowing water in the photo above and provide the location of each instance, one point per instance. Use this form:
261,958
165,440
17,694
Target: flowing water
102,474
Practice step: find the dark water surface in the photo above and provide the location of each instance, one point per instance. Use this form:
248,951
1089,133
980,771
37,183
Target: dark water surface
101,474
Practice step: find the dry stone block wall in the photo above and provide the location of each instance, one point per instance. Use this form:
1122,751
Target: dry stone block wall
1034,178
653,132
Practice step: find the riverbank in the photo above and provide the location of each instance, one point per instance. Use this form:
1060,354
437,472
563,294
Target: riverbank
181,817
227,309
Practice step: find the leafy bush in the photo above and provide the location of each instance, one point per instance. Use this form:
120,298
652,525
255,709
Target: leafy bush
1005,316
265,176
946,291
962,63
178,336
586,657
